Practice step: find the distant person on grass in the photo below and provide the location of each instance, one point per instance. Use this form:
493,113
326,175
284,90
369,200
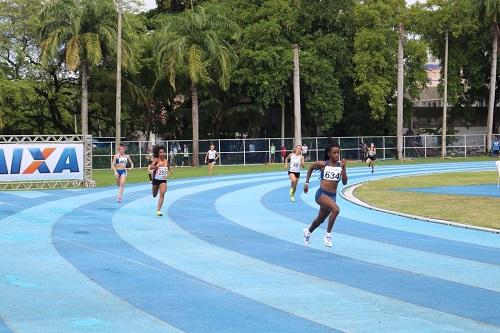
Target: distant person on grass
283,153
495,147
272,153
185,155
211,158
120,163
332,171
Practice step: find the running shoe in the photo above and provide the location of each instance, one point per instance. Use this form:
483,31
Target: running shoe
328,239
159,213
307,236
292,198
119,198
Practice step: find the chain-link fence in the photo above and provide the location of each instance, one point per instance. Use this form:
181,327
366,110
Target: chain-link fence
259,150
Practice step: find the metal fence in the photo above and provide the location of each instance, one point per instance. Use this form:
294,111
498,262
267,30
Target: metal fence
258,150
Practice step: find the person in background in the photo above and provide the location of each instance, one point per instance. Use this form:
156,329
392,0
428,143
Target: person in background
372,156
296,163
185,155
495,147
305,152
283,153
159,169
149,159
272,153
211,159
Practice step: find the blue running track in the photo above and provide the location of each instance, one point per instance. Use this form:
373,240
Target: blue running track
229,257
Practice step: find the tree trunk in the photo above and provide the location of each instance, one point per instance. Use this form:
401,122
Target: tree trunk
445,98
118,120
399,126
194,116
493,83
296,97
85,99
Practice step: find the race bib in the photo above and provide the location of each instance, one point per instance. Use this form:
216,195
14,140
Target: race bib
294,167
332,173
161,173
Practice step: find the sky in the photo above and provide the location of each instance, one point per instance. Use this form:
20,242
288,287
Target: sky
150,4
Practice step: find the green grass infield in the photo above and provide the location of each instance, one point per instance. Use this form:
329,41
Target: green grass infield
479,211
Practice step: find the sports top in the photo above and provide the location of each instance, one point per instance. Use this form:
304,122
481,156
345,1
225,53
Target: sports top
211,154
295,163
121,160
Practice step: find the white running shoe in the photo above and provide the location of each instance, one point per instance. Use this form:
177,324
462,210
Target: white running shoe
328,239
307,235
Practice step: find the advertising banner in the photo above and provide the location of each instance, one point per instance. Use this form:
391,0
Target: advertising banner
41,162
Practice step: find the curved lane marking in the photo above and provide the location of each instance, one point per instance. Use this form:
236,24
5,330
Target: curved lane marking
323,301
440,266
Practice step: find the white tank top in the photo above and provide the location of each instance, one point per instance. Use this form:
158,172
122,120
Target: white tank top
211,154
121,160
294,163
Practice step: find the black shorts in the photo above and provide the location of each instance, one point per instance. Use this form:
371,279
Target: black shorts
157,182
211,160
297,174
372,157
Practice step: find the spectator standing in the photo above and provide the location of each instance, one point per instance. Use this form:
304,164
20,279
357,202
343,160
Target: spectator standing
283,153
495,147
272,153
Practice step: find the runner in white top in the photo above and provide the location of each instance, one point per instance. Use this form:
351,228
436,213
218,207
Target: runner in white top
119,166
296,162
211,159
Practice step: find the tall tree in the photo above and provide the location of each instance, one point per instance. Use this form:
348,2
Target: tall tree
490,10
190,46
85,29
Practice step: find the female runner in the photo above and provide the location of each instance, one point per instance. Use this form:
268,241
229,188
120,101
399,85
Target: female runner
332,171
159,169
296,162
119,165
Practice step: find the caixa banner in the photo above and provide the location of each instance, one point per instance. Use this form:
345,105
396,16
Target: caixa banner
41,161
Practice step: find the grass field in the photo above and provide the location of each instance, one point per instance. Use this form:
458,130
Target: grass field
478,211
105,177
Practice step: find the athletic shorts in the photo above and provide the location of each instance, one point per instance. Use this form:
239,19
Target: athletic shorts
157,182
372,157
297,174
122,172
211,160
321,192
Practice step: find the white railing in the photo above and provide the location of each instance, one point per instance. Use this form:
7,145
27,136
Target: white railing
257,150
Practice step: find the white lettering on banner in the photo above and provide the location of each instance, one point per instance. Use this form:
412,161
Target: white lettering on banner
41,161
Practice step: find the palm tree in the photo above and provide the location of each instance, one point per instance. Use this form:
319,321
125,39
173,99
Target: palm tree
490,9
191,45
83,29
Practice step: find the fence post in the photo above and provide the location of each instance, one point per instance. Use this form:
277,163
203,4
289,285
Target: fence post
220,156
404,147
465,144
425,146
244,152
317,150
140,155
383,150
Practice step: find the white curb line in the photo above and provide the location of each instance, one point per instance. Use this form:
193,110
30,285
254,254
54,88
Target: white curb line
348,194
